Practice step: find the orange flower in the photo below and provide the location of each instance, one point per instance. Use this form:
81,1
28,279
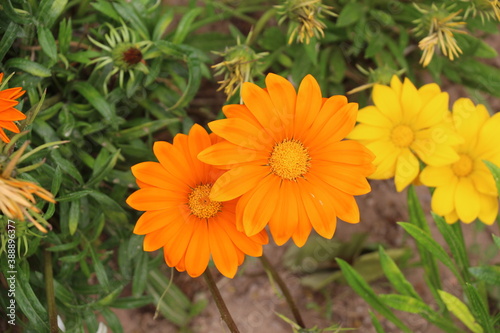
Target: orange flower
287,160
7,112
180,217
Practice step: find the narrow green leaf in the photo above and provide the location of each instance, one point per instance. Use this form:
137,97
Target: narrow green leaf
496,240
106,8
15,15
65,34
405,303
127,11
109,298
479,308
140,274
184,26
112,320
145,129
102,170
47,42
99,269
97,101
495,171
430,245
11,33
364,290
350,14
49,11
66,166
395,276
74,217
162,24
460,310
73,195
65,246
28,66
376,323
488,274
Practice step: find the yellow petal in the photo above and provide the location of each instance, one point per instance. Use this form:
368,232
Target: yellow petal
396,84
387,102
467,200
468,120
410,101
386,155
370,115
433,112
436,176
489,209
443,201
428,91
407,169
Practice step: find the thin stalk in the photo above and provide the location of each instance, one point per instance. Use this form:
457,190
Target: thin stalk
224,312
49,290
284,289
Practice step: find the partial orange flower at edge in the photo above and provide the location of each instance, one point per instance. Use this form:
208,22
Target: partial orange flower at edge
288,160
7,112
180,217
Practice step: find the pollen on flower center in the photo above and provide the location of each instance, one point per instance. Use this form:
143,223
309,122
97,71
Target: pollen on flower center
463,167
289,159
402,136
200,204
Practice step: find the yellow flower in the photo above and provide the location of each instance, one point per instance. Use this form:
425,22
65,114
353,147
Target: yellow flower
406,123
466,189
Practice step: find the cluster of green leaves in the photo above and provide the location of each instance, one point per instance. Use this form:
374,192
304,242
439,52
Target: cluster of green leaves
474,308
96,262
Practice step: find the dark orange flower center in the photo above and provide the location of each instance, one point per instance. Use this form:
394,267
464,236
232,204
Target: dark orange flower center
402,136
289,159
463,167
200,204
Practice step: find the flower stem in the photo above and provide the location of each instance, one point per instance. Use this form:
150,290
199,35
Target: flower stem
49,290
224,312
286,292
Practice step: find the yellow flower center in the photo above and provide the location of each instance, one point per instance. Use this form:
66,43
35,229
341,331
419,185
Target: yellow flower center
200,204
402,136
463,167
289,159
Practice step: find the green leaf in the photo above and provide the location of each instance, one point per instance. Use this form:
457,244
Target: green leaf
184,26
47,42
488,274
140,274
364,290
350,14
95,99
430,245
405,303
106,8
65,34
101,170
66,166
376,323
496,240
11,33
395,276
495,171
162,24
73,195
460,310
127,11
479,308
112,320
99,269
145,128
15,15
50,10
28,66
73,217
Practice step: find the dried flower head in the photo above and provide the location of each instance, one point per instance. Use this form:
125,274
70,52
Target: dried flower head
123,52
17,199
439,25
239,65
485,9
305,18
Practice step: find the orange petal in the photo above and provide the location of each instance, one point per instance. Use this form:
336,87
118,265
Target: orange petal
348,178
309,102
175,249
345,206
153,198
7,105
284,221
159,238
259,206
198,251
9,125
242,241
3,136
226,153
304,226
241,133
347,151
154,174
223,250
283,96
238,181
153,220
173,160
